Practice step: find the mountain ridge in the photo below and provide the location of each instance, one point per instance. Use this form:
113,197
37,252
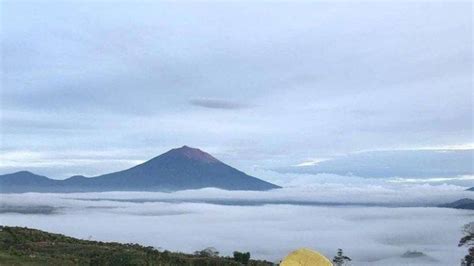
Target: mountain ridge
464,204
177,169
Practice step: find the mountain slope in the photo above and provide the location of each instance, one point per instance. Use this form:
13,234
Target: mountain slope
465,204
26,181
177,169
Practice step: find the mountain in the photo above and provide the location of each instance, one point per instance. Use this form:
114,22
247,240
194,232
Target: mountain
471,189
178,169
465,204
26,181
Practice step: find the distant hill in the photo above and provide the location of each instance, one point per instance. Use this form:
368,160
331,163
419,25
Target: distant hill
471,189
465,204
178,169
24,246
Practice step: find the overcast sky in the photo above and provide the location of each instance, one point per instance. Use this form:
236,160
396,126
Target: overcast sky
91,87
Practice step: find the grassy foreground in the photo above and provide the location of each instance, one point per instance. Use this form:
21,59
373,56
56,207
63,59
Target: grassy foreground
24,246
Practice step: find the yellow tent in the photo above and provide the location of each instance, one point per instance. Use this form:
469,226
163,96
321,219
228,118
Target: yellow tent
305,257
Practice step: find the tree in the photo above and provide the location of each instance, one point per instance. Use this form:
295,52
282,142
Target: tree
207,252
468,238
340,259
242,257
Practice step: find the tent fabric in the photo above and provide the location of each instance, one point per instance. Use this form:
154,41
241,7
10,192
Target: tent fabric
305,257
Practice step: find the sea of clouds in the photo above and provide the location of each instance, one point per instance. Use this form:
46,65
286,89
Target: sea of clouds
374,224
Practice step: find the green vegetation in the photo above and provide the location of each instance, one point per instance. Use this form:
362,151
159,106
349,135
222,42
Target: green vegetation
242,257
24,246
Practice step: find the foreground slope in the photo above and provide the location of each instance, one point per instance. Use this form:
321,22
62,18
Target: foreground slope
178,169
24,246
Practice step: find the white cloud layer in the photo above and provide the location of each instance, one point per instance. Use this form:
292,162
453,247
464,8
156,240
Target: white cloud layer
183,221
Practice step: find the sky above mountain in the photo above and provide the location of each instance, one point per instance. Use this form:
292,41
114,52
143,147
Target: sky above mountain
90,88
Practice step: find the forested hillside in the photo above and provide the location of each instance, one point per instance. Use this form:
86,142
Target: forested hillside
24,246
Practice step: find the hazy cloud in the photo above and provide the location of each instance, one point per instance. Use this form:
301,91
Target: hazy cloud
218,104
395,163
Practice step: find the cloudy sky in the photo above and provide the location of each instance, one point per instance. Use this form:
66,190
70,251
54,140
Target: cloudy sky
268,87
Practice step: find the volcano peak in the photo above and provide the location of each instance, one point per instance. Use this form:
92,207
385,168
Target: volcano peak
192,154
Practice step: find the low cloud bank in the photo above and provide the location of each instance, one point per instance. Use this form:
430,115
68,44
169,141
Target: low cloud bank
186,221
371,236
420,195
